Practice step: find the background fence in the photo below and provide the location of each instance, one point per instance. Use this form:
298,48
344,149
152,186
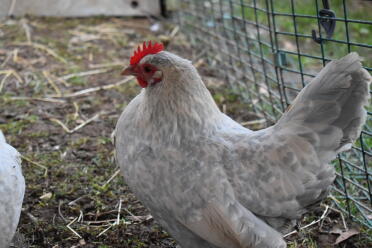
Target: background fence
269,50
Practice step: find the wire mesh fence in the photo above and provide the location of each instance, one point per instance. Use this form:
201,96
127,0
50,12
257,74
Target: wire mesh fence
269,50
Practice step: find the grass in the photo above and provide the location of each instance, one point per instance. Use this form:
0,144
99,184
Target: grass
78,165
359,33
78,189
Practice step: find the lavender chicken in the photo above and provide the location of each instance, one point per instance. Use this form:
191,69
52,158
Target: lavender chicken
212,183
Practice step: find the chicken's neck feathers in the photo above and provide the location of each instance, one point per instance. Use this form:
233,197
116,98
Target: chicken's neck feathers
179,112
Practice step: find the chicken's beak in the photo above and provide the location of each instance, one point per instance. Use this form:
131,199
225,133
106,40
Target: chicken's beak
129,71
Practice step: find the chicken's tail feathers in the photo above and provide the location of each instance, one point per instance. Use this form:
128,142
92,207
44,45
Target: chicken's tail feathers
329,112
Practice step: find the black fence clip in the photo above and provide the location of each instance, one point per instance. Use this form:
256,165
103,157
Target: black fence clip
327,22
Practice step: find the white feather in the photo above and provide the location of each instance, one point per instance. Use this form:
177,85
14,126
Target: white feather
12,188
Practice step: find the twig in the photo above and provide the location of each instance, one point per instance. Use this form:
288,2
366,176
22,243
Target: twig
44,48
32,218
12,72
7,58
342,217
76,200
116,222
84,73
111,178
311,224
76,113
61,124
94,89
86,122
2,83
100,214
60,212
112,136
108,228
37,164
64,82
110,65
71,229
27,29
174,32
17,76
77,127
199,63
334,198
51,82
324,218
118,217
15,55
142,218
15,98
99,221
6,72
81,217
52,78
224,108
135,217
54,219
254,122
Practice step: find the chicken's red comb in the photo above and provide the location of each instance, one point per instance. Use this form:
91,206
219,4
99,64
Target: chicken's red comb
146,50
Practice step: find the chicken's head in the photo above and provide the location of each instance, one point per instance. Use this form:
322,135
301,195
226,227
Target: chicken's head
146,71
152,66
171,85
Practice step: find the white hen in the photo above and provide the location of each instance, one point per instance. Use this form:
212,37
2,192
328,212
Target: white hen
12,189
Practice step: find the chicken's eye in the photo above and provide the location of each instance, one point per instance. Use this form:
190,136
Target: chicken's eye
147,68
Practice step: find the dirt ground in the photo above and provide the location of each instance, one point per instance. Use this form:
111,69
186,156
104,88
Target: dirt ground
61,95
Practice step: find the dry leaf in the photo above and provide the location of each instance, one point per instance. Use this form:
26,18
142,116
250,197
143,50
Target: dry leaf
46,196
346,235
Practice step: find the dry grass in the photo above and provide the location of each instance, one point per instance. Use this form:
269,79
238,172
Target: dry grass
61,95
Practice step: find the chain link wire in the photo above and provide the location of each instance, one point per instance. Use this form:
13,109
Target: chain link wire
269,50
